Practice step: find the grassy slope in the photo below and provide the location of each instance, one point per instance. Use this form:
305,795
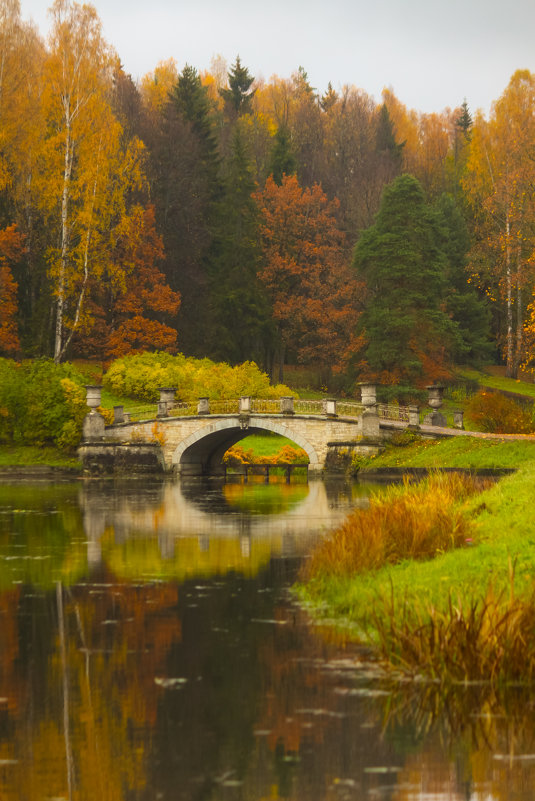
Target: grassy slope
465,452
503,534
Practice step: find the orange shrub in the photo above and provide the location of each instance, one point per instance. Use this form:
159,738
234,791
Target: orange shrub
498,414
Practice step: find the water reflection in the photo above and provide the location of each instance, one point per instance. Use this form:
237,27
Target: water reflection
146,654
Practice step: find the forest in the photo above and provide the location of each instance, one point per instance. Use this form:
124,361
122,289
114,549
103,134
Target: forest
220,216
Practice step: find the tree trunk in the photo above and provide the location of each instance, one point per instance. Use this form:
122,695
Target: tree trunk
509,304
60,301
519,316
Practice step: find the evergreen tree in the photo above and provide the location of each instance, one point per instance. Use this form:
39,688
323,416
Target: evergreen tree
463,303
193,104
240,313
385,139
410,338
283,161
238,97
464,121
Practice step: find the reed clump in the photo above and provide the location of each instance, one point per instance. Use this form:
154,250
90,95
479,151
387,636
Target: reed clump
479,639
416,521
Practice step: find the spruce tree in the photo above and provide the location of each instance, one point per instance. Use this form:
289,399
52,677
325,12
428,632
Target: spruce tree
283,160
240,324
410,338
238,97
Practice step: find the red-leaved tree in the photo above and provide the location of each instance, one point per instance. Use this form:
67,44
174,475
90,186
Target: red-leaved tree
314,295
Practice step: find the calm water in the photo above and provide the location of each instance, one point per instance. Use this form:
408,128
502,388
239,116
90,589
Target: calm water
150,649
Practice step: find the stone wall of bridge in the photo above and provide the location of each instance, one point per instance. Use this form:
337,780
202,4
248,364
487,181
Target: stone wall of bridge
195,445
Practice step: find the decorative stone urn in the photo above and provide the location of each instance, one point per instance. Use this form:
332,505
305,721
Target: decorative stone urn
435,395
93,396
435,398
167,395
368,394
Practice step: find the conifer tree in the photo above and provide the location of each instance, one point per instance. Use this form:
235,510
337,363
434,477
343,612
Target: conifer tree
240,313
238,97
283,160
409,336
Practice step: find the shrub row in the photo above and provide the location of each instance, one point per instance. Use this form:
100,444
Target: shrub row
140,375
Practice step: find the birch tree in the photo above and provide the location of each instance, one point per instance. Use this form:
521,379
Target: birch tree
499,182
82,136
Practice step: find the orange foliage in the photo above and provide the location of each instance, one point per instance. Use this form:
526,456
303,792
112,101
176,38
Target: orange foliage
498,414
311,289
11,246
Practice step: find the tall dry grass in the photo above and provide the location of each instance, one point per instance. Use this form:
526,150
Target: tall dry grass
481,639
415,521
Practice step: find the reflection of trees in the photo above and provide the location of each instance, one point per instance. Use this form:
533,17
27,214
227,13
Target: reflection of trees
116,641
487,735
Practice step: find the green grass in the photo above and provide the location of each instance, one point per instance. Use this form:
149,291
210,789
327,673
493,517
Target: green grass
467,595
265,444
462,452
24,455
487,379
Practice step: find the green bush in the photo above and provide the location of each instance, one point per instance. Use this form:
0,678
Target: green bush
40,402
140,375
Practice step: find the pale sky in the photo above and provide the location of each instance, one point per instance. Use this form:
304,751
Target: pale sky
432,54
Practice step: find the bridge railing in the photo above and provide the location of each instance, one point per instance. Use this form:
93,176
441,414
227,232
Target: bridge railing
391,411
349,408
265,406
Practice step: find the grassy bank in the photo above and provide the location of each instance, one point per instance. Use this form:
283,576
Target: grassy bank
32,455
468,612
462,452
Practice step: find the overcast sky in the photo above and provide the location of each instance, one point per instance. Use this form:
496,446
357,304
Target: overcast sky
432,54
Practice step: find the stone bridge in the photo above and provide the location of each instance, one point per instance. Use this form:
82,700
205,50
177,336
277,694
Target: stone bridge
192,439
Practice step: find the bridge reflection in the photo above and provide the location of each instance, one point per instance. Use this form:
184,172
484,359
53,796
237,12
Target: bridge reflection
286,518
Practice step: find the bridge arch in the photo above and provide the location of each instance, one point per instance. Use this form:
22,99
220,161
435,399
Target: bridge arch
202,452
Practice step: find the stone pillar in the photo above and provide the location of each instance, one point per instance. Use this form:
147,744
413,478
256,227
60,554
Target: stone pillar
162,409
370,423
329,407
414,417
287,405
458,421
203,406
118,415
245,404
93,427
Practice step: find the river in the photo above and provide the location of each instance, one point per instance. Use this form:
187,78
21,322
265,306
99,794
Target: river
151,650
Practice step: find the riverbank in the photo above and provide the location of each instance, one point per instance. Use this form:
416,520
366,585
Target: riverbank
471,590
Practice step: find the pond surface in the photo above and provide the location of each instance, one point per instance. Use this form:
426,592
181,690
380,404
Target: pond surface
150,650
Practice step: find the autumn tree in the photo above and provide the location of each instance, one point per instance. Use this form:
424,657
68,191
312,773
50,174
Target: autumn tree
409,335
82,131
303,271
11,249
498,181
